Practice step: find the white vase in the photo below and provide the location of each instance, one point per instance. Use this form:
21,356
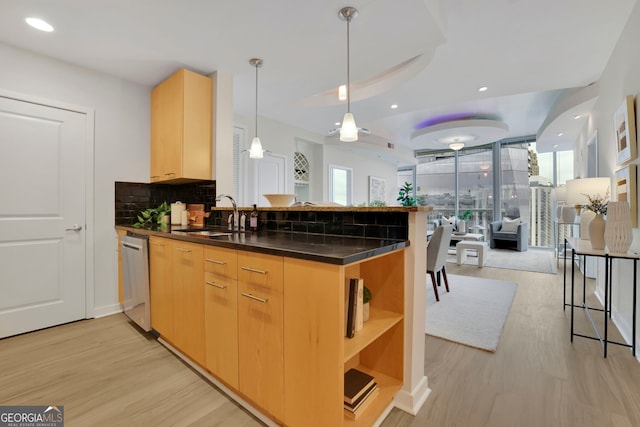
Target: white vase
617,232
596,232
462,226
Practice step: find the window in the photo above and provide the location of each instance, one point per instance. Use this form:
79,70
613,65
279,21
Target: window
340,185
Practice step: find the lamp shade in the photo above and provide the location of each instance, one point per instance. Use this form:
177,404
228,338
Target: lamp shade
578,189
561,193
256,151
349,130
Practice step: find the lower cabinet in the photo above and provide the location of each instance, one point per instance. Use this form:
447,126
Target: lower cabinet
242,314
161,286
260,330
188,299
221,313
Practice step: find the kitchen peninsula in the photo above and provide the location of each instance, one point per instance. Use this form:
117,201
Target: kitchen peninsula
266,319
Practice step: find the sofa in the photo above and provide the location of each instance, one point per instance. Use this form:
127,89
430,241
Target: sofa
509,233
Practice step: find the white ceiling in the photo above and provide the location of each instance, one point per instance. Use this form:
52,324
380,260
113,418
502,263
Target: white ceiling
427,56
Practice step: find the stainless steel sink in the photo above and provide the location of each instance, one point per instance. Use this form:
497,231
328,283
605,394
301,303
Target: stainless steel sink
209,233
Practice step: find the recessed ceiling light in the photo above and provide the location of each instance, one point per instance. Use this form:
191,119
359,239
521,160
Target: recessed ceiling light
576,117
555,145
394,106
482,89
39,24
560,133
337,123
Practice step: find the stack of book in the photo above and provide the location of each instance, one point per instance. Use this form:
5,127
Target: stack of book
359,391
354,293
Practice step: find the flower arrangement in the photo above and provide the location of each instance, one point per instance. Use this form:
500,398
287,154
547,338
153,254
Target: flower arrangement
598,204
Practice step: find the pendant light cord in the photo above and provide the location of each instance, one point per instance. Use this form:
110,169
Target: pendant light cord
348,69
256,123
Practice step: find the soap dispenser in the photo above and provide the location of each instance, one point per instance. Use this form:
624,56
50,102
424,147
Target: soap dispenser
243,221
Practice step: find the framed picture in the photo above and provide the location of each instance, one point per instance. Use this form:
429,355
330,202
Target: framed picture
625,127
626,190
377,191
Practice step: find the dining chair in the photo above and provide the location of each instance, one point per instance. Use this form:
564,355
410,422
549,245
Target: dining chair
437,255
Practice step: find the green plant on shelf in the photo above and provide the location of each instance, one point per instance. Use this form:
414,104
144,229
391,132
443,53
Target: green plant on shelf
366,296
154,216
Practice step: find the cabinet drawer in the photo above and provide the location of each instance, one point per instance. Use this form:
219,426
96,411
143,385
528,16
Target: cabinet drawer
260,272
221,262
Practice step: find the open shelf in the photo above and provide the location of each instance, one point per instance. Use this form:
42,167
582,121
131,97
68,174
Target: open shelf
380,321
387,388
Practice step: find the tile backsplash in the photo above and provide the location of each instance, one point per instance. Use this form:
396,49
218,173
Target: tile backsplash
133,197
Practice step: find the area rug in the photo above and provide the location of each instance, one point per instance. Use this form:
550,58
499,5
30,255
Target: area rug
536,260
472,313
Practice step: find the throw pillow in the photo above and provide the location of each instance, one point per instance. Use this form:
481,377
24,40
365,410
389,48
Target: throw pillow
450,221
510,225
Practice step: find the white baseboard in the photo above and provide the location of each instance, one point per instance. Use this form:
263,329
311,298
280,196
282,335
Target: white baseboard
412,402
107,310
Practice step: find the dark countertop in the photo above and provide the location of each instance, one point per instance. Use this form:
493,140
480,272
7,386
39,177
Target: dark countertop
329,249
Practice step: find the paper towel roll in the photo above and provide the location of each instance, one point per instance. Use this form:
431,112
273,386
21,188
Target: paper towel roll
176,212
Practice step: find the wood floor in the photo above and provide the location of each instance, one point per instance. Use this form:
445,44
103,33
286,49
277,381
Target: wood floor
107,373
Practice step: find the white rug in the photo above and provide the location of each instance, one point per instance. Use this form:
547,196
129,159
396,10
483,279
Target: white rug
473,313
536,260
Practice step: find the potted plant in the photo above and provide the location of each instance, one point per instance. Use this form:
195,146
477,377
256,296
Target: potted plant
154,217
462,221
366,297
404,195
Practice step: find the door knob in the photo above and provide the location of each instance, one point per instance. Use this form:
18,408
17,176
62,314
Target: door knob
74,227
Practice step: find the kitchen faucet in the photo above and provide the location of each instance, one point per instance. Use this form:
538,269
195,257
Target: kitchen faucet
236,218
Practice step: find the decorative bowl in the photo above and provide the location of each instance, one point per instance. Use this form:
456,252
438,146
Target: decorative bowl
280,200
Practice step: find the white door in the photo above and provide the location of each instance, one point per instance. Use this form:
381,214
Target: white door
42,216
270,176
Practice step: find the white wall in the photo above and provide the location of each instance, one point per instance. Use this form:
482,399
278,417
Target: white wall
621,77
121,145
284,140
363,167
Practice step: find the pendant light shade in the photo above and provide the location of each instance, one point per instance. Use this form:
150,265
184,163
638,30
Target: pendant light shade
348,130
256,151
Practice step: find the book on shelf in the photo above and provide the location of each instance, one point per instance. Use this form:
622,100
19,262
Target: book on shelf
362,406
360,305
356,383
351,299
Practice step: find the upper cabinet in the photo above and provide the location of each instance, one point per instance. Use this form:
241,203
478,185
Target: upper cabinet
181,128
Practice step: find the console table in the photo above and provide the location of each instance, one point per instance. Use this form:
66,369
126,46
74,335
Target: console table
583,248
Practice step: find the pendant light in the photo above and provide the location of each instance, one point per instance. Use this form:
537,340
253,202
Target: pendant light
348,130
256,151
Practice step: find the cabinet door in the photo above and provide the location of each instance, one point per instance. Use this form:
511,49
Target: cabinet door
167,128
221,313
260,330
160,286
181,127
188,297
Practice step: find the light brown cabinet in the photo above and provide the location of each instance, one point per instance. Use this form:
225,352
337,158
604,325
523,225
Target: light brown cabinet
161,286
221,313
316,350
260,330
241,315
181,128
188,300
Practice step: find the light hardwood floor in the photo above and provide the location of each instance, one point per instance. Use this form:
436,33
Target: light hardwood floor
107,373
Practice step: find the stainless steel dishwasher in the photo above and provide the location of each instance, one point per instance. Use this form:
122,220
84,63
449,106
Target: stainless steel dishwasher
135,279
